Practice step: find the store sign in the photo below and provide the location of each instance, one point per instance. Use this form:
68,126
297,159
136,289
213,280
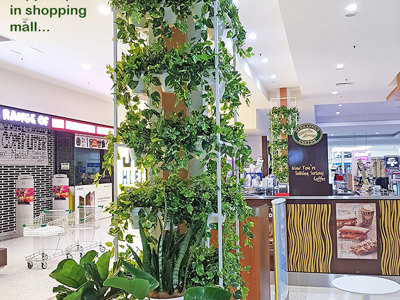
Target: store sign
307,134
22,148
392,162
22,117
128,174
90,142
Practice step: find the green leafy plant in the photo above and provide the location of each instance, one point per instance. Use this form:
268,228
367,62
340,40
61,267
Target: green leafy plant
206,293
91,279
282,122
174,208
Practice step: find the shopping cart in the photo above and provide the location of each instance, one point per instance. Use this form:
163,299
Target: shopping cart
50,223
84,226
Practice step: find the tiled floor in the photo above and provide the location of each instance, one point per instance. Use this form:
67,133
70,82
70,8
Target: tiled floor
19,283
323,293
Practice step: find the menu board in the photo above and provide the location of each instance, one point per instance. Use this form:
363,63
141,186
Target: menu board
356,231
308,169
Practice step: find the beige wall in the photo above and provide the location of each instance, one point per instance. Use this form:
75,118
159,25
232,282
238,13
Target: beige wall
20,91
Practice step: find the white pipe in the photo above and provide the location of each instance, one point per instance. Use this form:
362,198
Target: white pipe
115,42
218,117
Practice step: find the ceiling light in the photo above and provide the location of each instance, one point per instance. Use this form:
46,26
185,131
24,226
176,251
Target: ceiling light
265,60
340,105
338,112
104,9
273,76
235,1
86,67
332,134
334,93
339,66
377,132
252,36
352,7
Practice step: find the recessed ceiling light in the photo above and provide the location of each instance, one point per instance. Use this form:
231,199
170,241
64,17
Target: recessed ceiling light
252,36
338,112
339,66
265,60
340,105
352,7
86,67
332,134
334,93
377,132
273,76
104,9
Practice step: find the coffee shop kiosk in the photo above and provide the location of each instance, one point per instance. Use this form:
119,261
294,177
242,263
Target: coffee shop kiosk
333,234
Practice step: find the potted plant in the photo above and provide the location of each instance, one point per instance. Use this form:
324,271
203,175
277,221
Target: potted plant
174,206
92,279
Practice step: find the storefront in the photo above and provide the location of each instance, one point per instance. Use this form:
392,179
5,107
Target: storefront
41,146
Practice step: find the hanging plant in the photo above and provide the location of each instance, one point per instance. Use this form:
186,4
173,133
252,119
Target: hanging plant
283,121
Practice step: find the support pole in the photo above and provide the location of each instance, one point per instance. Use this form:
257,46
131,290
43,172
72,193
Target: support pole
218,120
115,187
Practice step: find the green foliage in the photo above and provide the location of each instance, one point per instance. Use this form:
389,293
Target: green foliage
282,122
94,280
138,288
206,293
85,280
174,209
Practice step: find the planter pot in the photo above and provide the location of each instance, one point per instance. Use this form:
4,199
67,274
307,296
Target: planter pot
140,87
164,87
169,15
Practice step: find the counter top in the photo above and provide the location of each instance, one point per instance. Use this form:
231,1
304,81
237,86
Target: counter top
261,197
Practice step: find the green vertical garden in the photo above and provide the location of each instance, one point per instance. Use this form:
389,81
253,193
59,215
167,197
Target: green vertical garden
174,208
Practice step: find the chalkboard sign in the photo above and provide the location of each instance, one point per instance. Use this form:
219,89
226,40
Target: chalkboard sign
308,169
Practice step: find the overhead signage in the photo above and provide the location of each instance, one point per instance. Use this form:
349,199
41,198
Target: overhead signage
307,134
22,117
34,119
90,142
392,162
22,148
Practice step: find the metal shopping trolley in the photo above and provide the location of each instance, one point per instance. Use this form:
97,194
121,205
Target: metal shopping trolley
50,223
84,226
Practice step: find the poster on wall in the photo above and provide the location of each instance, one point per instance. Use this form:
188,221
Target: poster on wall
60,187
356,231
92,195
90,142
25,189
22,148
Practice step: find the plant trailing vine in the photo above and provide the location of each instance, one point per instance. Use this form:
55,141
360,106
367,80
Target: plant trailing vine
174,208
283,121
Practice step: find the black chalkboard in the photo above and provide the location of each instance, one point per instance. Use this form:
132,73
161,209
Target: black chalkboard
308,169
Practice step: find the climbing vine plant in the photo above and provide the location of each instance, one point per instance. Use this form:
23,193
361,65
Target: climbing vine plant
174,208
282,122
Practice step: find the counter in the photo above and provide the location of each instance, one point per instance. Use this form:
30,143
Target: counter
319,242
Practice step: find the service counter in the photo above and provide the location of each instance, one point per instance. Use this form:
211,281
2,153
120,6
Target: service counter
341,235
